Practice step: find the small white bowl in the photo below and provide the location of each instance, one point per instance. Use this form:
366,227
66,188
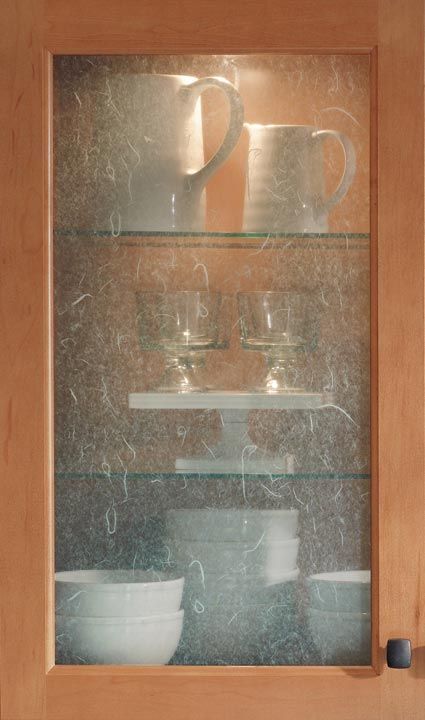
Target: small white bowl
216,588
237,622
116,593
266,558
342,638
121,641
345,591
229,525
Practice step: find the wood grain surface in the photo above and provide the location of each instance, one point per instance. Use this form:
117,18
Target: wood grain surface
31,689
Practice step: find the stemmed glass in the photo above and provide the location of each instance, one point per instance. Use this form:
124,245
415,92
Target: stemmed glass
276,324
184,325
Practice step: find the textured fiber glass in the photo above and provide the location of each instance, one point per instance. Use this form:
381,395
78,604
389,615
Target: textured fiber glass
140,236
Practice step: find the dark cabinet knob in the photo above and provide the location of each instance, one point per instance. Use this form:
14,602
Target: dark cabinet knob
399,653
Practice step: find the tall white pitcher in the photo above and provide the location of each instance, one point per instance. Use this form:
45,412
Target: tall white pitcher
285,189
161,147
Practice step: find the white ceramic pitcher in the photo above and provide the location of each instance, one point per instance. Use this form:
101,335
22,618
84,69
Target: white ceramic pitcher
285,182
160,123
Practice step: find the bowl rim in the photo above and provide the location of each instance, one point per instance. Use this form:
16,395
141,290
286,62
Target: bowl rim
229,544
282,578
70,577
181,512
336,577
125,620
339,614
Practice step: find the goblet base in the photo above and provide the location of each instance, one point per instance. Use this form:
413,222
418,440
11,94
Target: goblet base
282,375
278,390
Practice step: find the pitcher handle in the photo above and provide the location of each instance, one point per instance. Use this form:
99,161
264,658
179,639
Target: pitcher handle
349,168
233,132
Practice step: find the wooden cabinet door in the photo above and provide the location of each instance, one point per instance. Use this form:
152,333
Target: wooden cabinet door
391,34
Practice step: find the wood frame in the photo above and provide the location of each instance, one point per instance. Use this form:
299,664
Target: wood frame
32,688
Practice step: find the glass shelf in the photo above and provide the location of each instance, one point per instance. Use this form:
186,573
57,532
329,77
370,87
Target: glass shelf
330,241
230,401
155,477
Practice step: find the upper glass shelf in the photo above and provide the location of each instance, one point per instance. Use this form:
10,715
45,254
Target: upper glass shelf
331,240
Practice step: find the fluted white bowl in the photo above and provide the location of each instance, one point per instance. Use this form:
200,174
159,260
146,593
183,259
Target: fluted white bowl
265,558
232,525
123,641
344,591
116,593
341,638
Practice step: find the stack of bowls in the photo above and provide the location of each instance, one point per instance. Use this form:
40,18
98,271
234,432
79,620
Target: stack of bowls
237,564
339,616
118,616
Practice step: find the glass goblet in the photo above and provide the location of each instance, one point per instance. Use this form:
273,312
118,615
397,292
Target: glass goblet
276,324
184,325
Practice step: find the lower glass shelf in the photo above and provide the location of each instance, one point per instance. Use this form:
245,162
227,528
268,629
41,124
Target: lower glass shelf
155,477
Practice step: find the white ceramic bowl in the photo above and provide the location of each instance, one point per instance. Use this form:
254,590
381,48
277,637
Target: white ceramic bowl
237,622
270,559
116,593
345,591
341,638
213,589
123,641
232,525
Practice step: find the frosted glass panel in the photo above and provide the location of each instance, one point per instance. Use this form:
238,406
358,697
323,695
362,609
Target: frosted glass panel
212,321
